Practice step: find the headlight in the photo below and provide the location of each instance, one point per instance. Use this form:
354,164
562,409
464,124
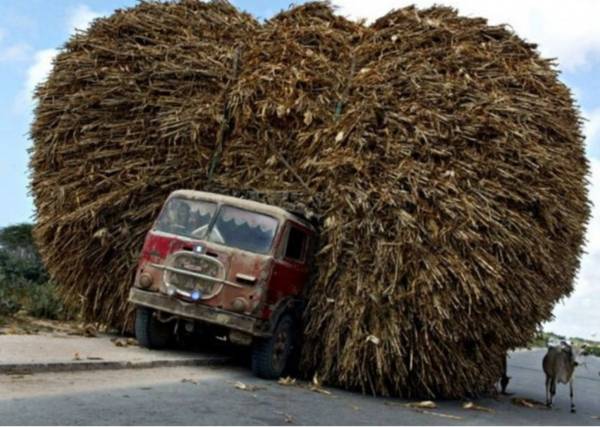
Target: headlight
239,305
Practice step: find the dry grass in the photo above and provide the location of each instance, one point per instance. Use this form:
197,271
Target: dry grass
442,157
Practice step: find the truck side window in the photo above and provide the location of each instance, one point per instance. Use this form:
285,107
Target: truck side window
295,244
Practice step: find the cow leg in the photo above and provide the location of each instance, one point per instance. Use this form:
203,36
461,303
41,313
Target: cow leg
571,395
552,389
505,378
548,402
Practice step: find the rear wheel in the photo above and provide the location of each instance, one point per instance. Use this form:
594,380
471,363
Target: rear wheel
271,356
151,332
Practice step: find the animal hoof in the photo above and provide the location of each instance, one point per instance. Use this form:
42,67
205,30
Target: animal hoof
573,410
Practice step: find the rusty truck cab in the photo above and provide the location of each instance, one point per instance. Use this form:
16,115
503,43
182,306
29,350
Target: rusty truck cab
224,263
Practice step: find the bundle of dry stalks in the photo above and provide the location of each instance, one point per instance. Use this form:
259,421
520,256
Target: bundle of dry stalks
442,157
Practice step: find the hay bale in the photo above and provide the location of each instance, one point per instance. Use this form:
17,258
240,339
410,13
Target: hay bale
442,157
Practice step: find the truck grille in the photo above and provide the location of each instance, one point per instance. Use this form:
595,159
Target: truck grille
198,264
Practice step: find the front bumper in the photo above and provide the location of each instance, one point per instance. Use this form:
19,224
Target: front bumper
161,302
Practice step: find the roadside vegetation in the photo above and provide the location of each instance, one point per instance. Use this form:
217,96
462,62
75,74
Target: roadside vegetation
25,287
543,339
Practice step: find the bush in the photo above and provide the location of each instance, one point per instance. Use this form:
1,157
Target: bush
593,350
9,304
10,295
43,302
24,281
19,258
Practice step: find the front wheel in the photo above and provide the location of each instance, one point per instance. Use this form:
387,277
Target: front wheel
271,356
151,332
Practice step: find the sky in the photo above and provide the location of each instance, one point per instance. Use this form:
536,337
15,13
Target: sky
32,31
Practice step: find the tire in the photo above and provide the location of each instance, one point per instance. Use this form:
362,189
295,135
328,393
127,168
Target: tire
271,356
149,331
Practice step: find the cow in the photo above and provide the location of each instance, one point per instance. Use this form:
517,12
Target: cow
559,364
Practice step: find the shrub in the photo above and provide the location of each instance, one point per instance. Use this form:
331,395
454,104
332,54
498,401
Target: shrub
593,350
9,304
44,302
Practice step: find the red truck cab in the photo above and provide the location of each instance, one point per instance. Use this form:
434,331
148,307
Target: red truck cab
227,265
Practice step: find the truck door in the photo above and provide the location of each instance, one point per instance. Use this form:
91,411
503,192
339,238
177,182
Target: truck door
290,272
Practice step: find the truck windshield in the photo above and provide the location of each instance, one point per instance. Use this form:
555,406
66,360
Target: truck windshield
189,218
243,229
235,227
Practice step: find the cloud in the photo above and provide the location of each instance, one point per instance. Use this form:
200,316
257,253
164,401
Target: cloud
592,129
78,18
36,73
81,17
16,52
39,71
562,29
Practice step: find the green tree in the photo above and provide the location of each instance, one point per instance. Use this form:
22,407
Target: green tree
19,257
24,282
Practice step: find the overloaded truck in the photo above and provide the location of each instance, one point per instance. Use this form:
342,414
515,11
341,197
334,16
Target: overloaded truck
227,267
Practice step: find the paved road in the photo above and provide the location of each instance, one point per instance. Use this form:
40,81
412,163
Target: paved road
208,395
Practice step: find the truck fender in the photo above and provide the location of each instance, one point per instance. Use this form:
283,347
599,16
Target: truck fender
290,305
